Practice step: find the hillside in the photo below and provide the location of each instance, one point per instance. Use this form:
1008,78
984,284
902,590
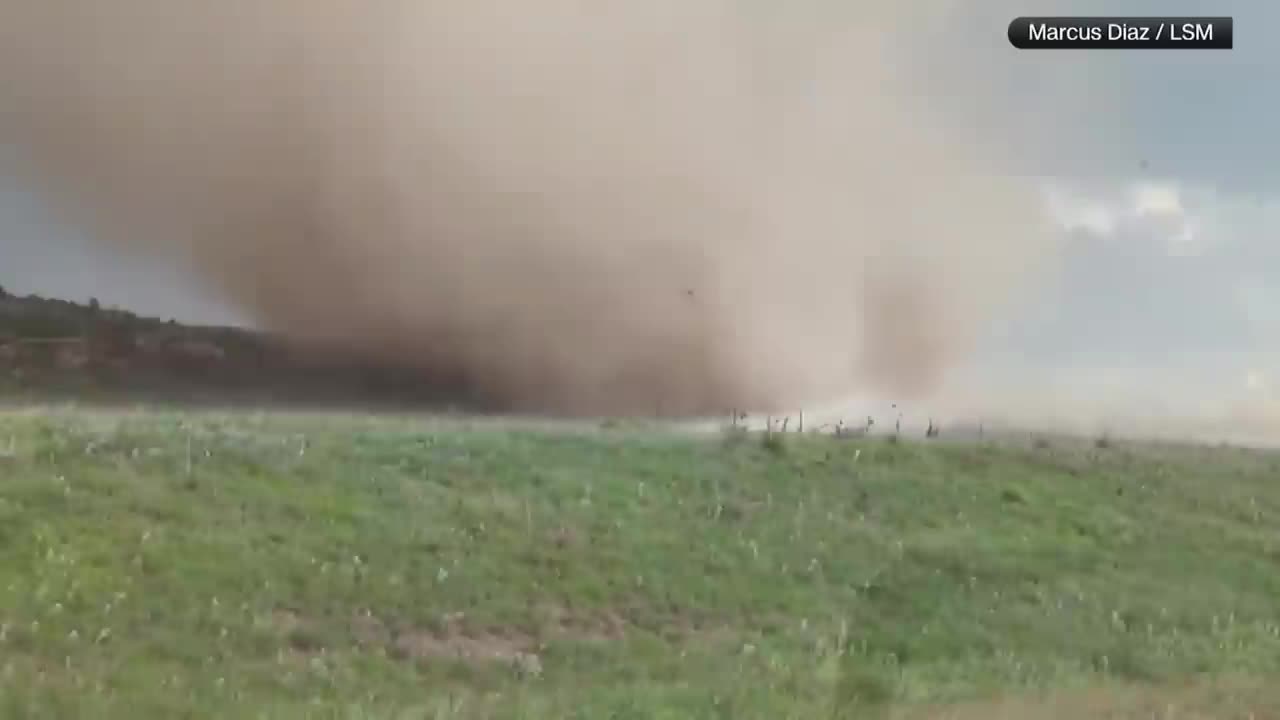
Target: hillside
53,349
224,566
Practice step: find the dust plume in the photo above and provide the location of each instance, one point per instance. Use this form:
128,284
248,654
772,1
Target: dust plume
688,205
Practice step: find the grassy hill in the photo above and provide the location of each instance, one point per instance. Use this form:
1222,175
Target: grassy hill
247,566
54,349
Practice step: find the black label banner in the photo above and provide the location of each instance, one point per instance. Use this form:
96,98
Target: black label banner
1117,33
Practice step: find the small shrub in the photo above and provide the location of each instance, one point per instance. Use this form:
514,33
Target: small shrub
1103,442
774,442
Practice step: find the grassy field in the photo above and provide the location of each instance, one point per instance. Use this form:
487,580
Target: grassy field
220,566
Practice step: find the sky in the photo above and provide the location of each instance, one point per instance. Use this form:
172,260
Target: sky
1168,274
1166,290
43,254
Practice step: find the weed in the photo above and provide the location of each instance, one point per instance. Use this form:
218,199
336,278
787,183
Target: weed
774,442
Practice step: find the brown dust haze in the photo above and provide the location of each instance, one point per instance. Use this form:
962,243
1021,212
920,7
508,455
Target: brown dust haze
579,207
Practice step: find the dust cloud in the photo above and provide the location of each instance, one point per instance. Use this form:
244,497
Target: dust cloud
613,207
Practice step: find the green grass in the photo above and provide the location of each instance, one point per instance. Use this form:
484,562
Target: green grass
219,566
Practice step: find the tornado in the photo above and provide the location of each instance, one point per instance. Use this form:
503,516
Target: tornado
578,208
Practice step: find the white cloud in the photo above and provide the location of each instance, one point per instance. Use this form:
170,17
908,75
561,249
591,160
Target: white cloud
1144,208
1073,211
1160,200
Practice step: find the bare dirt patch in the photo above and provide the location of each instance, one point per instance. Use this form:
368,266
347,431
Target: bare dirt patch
603,626
456,640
